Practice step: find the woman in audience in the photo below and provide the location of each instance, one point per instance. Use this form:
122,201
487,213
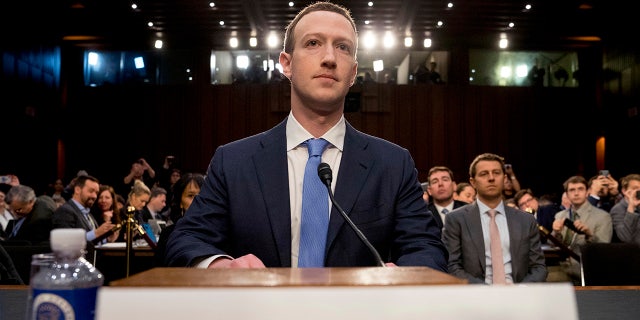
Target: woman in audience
105,209
137,199
187,188
464,192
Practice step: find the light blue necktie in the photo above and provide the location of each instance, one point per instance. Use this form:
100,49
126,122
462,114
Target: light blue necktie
315,210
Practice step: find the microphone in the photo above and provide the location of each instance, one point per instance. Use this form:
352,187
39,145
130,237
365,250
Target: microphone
326,175
569,224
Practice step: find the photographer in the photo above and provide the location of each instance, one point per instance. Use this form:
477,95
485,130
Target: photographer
167,176
140,170
626,213
603,191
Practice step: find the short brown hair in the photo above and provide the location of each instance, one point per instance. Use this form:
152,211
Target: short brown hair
438,169
289,41
484,157
624,182
575,179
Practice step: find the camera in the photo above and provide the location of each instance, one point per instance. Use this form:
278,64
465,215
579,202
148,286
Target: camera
569,224
5,179
638,194
507,166
604,173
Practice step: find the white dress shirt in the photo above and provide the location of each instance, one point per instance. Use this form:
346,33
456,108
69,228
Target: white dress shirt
501,221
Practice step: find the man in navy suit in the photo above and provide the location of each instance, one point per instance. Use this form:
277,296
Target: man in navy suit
466,231
545,214
249,210
441,189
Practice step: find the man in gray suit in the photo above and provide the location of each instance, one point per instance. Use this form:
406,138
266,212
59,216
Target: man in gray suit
466,231
593,224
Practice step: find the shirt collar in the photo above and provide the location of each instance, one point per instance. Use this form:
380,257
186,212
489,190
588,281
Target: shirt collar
80,206
296,134
484,208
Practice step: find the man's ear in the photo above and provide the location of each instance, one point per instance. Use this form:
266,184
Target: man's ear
285,62
355,73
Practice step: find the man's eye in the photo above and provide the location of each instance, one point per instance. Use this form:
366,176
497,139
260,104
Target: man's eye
312,43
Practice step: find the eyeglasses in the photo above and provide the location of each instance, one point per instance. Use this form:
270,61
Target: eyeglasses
21,207
525,202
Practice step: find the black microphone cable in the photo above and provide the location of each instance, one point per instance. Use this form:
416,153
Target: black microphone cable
326,175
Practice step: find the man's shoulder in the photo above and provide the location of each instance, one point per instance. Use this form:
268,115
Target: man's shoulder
459,204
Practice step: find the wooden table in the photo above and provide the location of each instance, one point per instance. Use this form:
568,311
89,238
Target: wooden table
272,277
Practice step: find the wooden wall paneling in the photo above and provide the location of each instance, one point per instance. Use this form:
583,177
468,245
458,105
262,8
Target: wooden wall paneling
456,133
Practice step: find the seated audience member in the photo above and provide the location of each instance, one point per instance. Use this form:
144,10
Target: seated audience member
626,213
565,203
120,202
441,188
603,192
155,206
187,188
5,215
511,185
57,191
34,214
544,214
592,225
465,192
516,257
510,202
138,198
75,213
106,210
167,176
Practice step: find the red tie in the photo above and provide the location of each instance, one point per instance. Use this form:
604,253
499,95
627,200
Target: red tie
496,250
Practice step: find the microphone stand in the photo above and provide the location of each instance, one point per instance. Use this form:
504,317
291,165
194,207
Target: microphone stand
544,232
324,171
132,225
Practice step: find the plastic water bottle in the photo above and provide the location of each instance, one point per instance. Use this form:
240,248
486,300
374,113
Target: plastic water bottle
68,288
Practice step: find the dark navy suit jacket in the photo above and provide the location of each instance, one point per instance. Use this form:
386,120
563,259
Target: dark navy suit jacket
244,207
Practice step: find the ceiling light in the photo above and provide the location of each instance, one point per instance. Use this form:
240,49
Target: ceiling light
408,42
378,65
427,42
253,41
272,41
369,40
389,41
233,42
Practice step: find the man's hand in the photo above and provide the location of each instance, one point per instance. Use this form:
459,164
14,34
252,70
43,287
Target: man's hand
558,224
246,261
104,228
583,228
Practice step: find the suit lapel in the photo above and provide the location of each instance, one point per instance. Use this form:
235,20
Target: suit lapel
514,231
355,166
474,229
271,169
80,216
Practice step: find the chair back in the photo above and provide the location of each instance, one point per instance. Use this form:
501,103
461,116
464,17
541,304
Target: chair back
610,264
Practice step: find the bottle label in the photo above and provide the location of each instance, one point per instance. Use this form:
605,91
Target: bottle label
76,304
